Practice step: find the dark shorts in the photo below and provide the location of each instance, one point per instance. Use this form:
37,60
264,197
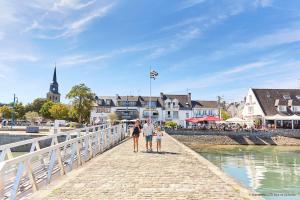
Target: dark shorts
135,135
149,138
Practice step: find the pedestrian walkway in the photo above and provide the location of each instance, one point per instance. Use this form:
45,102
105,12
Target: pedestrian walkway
176,173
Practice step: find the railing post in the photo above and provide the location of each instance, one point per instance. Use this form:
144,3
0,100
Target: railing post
31,176
78,152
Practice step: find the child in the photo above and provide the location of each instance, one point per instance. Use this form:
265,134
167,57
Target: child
159,134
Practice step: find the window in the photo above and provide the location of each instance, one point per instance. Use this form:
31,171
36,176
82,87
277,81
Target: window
175,114
250,99
169,114
173,104
282,108
296,108
187,115
286,97
107,101
298,97
152,104
250,110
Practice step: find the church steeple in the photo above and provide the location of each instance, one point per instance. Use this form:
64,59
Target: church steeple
54,75
53,93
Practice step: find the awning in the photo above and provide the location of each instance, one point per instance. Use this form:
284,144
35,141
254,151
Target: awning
203,119
283,117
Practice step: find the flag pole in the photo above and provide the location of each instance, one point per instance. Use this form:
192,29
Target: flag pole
150,96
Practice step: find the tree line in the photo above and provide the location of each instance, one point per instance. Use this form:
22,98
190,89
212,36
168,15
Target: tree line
81,101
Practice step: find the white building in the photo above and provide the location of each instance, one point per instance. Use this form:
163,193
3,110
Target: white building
166,107
277,108
205,108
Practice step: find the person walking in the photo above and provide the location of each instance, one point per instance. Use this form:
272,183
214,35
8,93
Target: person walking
159,134
148,130
136,135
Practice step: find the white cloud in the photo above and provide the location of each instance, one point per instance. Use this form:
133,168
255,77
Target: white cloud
263,3
64,18
17,57
80,59
221,77
175,43
71,4
189,3
280,37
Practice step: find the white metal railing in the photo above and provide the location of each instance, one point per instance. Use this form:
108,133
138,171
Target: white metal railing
25,174
53,139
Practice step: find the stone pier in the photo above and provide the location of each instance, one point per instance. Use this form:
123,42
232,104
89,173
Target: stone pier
176,173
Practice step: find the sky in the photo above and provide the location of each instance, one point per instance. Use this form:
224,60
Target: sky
207,47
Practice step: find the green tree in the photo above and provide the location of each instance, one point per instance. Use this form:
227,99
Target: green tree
224,114
19,111
112,117
170,124
82,100
45,110
32,116
59,111
36,105
5,112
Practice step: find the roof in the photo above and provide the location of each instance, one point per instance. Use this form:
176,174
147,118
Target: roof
205,104
183,100
128,98
101,100
157,99
267,98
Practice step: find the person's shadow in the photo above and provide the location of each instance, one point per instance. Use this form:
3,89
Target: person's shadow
162,152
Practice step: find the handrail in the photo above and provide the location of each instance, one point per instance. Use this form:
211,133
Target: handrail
29,171
6,149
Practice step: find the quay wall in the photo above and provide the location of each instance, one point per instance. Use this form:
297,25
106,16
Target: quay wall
282,138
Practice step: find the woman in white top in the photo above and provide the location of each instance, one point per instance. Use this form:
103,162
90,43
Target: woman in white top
159,134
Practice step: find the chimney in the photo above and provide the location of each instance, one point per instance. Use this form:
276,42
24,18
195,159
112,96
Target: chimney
276,102
161,95
290,103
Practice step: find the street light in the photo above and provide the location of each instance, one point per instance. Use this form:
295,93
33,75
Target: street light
13,111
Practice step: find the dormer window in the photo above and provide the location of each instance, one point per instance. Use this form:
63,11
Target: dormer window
298,97
286,97
281,108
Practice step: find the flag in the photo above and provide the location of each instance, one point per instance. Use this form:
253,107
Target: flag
153,74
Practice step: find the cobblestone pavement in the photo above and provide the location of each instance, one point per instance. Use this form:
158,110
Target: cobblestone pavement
176,173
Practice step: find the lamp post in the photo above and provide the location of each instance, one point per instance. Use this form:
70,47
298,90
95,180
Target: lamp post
153,75
13,111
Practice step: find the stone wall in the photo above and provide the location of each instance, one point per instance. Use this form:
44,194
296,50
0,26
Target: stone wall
273,133
283,137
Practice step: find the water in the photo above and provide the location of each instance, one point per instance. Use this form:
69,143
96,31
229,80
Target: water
269,170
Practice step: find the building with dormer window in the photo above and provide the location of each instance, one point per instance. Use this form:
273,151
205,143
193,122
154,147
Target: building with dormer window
278,108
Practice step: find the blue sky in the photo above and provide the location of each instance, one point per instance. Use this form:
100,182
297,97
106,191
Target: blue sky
207,47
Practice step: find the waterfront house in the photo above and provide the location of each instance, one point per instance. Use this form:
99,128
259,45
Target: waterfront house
277,108
177,107
153,108
166,107
205,108
102,106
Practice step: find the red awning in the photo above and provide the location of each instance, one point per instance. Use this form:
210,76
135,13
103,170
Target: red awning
203,119
212,119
